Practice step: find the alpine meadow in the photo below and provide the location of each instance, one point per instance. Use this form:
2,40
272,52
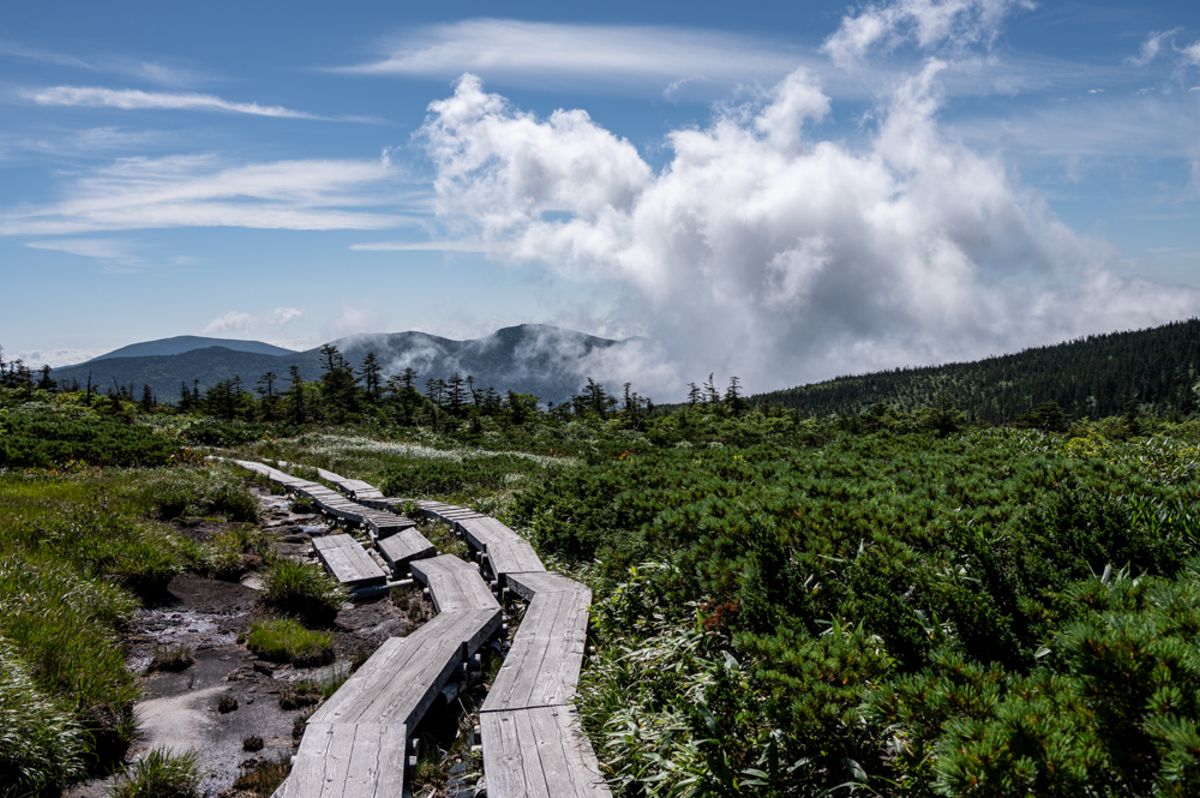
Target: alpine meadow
623,401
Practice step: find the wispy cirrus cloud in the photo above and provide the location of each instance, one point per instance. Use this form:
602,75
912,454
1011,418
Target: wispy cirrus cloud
521,50
207,191
158,72
137,100
677,61
1152,45
100,248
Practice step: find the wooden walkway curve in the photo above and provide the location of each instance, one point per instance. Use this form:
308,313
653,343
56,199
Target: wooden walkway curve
356,744
533,744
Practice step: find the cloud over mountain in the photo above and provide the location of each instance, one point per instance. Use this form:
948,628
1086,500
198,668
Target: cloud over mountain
762,250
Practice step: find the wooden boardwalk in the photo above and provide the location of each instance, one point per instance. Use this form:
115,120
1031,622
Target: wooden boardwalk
396,537
533,746
542,667
356,744
401,680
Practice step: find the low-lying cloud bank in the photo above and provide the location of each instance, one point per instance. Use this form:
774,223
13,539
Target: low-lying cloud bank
763,251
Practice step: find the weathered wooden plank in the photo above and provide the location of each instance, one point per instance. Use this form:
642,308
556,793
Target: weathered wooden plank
527,584
539,752
542,666
403,547
400,681
453,584
347,760
504,765
348,561
512,557
483,531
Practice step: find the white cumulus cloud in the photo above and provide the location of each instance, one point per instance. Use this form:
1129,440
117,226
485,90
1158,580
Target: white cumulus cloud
763,251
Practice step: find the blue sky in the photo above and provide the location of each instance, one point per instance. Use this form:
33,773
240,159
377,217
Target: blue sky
785,191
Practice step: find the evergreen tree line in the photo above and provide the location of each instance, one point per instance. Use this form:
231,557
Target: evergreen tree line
1095,377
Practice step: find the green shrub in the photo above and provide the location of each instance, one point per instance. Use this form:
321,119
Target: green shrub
448,477
286,640
41,745
44,435
160,774
209,431
301,589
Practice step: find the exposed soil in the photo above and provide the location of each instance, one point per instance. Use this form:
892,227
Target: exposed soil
180,710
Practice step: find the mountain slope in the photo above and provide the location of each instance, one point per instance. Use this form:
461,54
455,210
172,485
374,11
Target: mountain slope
1091,377
548,362
180,344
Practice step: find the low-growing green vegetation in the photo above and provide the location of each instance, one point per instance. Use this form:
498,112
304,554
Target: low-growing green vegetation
46,434
287,640
301,589
990,613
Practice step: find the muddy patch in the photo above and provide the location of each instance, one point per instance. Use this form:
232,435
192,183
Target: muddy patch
212,696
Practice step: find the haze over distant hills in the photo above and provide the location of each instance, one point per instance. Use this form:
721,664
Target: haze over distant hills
547,361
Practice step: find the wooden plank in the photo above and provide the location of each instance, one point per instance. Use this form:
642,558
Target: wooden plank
527,584
347,561
408,544
401,680
347,760
542,666
539,752
504,766
512,557
453,584
483,531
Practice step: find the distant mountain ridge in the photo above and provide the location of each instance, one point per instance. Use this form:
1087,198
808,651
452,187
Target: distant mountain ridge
1091,377
547,361
181,344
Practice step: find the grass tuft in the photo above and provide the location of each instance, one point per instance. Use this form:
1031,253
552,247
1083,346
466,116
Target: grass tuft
286,640
304,590
160,774
41,744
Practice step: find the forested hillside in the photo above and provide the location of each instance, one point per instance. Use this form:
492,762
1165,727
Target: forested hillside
1097,376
